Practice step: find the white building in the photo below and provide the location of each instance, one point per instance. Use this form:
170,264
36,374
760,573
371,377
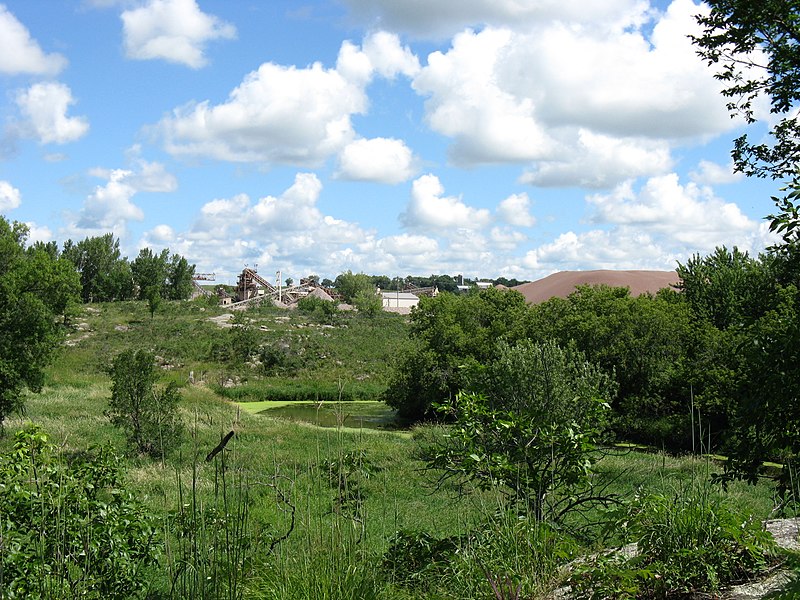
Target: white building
399,299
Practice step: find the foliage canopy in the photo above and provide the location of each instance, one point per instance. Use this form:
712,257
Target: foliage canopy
757,48
530,426
35,290
148,415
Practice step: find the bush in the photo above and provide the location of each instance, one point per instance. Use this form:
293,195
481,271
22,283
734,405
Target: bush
687,543
450,331
148,415
69,528
324,310
506,557
417,560
368,303
530,428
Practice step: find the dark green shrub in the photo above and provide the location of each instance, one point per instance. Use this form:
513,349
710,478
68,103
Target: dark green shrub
243,343
530,429
324,310
417,560
287,358
368,303
687,543
449,332
346,475
505,557
68,527
148,415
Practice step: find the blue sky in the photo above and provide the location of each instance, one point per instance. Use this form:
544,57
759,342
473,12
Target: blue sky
492,138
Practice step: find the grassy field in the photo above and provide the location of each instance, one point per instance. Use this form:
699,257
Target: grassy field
293,510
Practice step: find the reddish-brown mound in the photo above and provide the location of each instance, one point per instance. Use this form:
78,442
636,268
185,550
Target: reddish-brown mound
564,283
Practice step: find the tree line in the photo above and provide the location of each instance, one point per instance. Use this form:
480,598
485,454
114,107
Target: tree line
443,282
106,275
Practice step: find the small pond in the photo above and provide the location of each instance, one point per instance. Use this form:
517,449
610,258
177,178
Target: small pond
370,415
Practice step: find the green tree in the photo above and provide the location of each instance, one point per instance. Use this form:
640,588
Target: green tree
350,284
324,310
35,290
368,303
381,282
747,315
451,331
104,274
148,415
49,248
766,422
153,296
244,342
641,342
150,271
530,425
756,46
726,288
179,279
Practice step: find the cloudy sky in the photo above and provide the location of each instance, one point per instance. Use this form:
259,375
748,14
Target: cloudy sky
491,138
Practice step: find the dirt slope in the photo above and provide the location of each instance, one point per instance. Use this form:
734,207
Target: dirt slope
564,283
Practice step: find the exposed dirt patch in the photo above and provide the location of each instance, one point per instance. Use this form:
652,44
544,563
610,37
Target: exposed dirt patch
223,320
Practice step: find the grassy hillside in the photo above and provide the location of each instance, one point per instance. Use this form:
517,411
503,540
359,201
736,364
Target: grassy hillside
291,510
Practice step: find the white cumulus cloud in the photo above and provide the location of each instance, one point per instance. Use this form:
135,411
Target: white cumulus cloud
152,177
594,160
599,249
582,103
650,227
430,209
286,114
109,206
710,173
19,53
45,107
388,57
294,210
405,245
688,214
506,238
277,114
162,235
38,233
382,160
10,198
465,102
285,231
172,30
516,210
